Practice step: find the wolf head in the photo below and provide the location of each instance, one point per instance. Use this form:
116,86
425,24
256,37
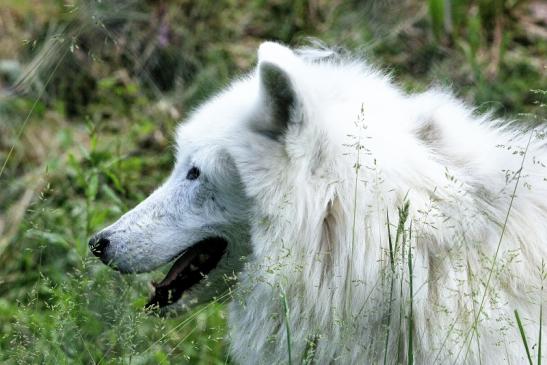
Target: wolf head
200,217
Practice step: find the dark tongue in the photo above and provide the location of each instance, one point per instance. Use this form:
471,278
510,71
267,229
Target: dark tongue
187,270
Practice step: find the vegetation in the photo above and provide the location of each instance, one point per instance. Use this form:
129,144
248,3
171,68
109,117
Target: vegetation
90,93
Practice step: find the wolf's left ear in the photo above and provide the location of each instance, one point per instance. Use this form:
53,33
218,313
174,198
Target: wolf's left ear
279,100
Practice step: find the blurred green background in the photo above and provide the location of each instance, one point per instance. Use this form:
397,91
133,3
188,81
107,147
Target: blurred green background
90,93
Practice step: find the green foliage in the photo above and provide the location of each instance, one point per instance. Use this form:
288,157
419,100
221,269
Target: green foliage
436,12
58,304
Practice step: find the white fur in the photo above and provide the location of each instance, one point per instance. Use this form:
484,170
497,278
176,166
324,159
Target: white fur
314,196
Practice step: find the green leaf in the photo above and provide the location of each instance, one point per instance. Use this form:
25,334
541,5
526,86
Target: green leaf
436,13
92,187
523,337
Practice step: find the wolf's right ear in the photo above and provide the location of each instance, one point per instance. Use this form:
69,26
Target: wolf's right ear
278,100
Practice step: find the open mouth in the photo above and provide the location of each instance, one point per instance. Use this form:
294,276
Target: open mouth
190,268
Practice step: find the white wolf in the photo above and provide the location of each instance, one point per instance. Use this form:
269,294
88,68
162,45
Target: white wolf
360,224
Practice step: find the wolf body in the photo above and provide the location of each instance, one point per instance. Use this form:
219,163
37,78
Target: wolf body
362,224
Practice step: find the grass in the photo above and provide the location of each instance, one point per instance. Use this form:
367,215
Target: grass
495,258
540,334
523,337
86,136
396,248
357,166
285,304
391,285
410,355
59,304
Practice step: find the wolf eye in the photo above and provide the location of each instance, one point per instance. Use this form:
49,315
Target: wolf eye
193,173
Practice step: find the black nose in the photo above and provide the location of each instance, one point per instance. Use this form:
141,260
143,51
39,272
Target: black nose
98,245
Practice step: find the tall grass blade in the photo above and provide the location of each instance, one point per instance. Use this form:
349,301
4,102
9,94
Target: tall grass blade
391,284
401,234
540,328
436,13
541,311
390,241
357,167
523,336
411,314
287,322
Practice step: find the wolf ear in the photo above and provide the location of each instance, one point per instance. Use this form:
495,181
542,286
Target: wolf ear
278,97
